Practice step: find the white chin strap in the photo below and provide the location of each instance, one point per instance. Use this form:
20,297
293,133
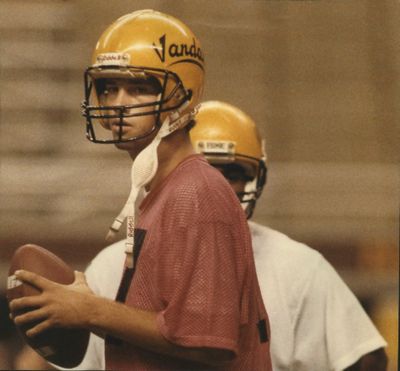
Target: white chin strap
144,168
249,187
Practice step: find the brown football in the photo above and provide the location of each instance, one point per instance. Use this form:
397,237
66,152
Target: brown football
63,347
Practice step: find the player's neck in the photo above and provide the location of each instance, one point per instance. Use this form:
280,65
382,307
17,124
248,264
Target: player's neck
172,150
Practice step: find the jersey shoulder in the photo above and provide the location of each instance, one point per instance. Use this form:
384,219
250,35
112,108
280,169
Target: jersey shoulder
289,265
201,192
197,172
275,244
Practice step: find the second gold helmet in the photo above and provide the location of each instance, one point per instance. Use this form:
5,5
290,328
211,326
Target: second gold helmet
225,135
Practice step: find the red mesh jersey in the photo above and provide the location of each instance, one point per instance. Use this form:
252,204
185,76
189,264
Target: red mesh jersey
196,270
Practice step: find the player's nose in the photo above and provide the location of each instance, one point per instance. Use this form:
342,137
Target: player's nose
121,97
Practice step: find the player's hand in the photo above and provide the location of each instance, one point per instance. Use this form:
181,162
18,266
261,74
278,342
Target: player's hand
57,306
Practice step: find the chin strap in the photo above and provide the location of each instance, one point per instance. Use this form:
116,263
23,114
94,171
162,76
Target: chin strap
144,168
250,198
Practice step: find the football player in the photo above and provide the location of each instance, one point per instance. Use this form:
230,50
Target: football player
188,297
316,321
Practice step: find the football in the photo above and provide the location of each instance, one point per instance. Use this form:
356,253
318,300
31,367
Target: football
63,347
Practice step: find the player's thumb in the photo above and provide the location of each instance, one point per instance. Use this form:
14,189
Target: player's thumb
79,277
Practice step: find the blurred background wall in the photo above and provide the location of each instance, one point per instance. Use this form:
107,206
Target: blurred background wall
319,77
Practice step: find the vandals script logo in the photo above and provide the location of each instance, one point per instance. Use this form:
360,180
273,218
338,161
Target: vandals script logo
192,51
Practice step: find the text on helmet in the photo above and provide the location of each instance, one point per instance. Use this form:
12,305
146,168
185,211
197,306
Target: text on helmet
178,50
115,59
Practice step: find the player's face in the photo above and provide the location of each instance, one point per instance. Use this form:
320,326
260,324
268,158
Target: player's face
235,175
126,92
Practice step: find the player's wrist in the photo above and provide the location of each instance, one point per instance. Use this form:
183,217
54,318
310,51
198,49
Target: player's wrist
95,314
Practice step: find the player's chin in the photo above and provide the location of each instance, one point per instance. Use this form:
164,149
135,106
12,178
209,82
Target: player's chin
126,146
132,146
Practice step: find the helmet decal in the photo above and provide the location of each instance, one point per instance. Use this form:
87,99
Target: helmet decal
215,146
180,50
112,59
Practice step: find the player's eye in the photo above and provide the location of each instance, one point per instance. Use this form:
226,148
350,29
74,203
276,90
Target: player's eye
110,89
143,88
137,90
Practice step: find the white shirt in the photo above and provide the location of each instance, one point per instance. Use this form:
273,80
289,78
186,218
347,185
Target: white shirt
317,324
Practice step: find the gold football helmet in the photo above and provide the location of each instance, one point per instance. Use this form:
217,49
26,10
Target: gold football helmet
148,45
226,135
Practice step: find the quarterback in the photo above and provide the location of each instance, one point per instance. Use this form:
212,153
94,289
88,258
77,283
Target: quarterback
187,295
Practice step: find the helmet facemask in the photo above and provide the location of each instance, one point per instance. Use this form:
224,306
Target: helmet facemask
254,178
253,190
167,89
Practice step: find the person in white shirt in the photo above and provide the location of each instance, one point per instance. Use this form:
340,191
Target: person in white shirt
317,324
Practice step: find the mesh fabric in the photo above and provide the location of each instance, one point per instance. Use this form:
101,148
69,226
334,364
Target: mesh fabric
196,270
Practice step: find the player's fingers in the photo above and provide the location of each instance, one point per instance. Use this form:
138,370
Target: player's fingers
25,302
33,315
36,330
33,278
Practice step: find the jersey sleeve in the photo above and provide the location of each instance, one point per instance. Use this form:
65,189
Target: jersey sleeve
332,320
204,302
